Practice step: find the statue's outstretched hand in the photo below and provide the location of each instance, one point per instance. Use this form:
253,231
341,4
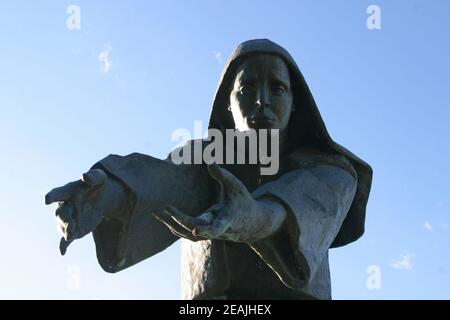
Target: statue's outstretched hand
236,217
83,204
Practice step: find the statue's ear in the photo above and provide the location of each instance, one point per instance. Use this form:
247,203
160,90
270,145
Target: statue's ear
94,177
293,108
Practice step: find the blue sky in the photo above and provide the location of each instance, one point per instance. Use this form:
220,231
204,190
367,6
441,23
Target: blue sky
384,94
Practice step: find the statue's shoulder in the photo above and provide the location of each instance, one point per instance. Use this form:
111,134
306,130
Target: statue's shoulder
303,157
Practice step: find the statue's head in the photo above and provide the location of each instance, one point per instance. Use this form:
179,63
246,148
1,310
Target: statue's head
261,93
261,87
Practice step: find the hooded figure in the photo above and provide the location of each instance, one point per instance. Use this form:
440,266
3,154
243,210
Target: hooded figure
318,218
322,187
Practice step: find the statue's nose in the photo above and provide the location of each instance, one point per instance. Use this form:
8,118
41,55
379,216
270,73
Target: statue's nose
262,98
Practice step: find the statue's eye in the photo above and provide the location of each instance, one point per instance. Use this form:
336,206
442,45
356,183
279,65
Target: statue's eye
247,88
279,89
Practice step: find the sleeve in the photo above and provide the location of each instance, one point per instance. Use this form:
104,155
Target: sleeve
316,199
134,234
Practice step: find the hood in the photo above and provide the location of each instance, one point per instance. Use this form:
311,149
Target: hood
306,127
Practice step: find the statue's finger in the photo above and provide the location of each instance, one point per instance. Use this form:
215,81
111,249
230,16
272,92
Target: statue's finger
64,211
181,231
225,178
65,221
215,230
63,193
94,177
207,217
61,227
185,235
209,232
166,218
63,245
187,222
173,226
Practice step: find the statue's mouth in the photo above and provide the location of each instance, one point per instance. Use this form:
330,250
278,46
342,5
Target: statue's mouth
261,120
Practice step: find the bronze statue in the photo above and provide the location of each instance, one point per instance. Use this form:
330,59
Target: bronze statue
245,235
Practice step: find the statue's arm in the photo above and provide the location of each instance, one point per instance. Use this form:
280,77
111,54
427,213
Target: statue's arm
290,222
131,233
316,200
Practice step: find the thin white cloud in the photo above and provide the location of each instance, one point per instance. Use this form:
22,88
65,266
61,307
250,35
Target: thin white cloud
105,60
218,56
428,226
405,262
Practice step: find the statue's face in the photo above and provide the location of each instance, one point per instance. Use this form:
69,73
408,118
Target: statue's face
262,96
